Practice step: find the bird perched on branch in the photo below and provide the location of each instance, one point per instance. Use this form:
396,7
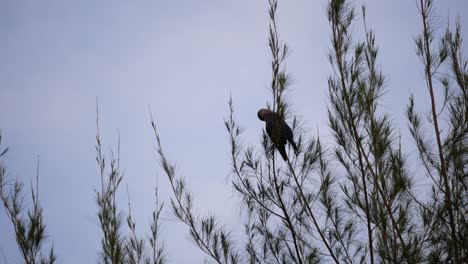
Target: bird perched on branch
278,131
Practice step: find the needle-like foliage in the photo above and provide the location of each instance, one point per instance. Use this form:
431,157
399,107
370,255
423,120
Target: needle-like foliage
351,200
283,223
443,147
116,246
205,232
110,218
377,186
28,222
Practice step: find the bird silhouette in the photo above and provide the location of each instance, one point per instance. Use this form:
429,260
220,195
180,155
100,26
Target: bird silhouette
278,131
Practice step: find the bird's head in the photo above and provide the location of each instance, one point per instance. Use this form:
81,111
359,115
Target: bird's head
262,113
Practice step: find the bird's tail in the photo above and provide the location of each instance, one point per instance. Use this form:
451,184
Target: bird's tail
282,151
294,146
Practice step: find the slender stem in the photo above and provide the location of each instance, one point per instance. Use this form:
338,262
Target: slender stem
305,203
356,138
443,168
187,217
285,213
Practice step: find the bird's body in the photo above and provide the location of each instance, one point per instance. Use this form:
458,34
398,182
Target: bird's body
278,131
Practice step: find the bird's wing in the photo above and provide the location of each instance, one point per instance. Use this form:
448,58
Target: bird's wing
288,134
278,131
269,129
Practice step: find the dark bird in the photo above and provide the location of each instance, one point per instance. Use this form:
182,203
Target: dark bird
278,131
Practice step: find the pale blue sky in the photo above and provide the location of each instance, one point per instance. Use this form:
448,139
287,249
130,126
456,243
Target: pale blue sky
183,58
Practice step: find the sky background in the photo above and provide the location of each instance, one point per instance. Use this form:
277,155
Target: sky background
182,58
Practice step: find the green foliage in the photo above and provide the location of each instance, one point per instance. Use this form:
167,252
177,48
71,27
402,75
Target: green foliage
116,247
28,222
205,232
444,215
378,183
349,202
110,218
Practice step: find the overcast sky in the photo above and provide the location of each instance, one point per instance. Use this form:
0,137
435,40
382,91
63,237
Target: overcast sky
182,58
